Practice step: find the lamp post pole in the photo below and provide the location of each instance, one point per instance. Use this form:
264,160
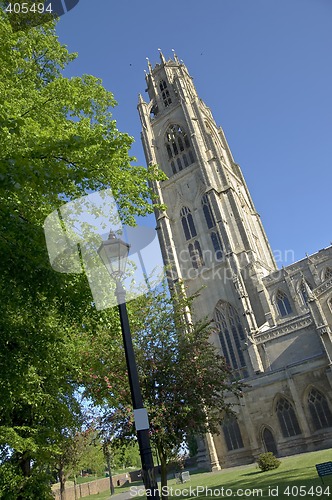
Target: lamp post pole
143,438
114,252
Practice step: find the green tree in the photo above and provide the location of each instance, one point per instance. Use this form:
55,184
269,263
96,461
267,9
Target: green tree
183,378
71,450
78,451
93,458
58,141
125,456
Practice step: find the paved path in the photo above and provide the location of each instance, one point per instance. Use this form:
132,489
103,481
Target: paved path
127,495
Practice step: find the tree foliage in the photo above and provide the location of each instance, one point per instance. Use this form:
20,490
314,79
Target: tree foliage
58,141
78,451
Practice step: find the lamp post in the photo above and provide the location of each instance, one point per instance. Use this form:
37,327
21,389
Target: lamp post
114,253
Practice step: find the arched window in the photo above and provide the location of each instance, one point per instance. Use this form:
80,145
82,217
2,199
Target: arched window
188,223
327,273
208,212
283,304
211,223
319,410
179,148
196,254
287,418
165,93
231,334
232,434
217,246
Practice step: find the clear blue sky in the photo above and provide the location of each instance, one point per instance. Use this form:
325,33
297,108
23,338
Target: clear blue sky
263,67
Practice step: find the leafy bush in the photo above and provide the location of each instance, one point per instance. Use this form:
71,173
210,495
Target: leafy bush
267,461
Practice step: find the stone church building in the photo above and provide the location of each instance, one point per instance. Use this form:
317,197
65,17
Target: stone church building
273,326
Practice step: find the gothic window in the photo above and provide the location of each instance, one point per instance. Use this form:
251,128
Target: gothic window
208,212
211,223
165,93
179,148
191,156
232,434
283,304
319,410
327,273
231,334
287,418
179,163
196,255
217,246
188,223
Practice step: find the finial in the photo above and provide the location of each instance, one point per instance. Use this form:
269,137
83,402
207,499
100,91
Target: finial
176,59
140,99
163,60
149,64
112,235
308,290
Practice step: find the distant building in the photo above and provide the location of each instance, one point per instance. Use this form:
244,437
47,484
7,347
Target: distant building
272,326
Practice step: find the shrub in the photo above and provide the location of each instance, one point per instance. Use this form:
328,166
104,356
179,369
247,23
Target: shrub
267,461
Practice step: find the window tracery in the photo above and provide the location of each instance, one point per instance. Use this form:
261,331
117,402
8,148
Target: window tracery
190,233
327,273
211,223
179,148
287,418
196,255
283,304
319,410
165,95
231,334
188,223
232,434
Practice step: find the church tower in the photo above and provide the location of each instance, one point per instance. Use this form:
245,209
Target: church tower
212,240
210,234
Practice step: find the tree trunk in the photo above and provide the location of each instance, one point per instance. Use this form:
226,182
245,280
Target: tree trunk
62,478
108,462
163,474
75,484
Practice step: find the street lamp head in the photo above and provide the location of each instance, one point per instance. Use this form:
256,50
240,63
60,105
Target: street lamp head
114,252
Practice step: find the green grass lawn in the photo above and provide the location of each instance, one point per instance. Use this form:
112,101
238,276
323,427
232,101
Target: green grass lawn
283,483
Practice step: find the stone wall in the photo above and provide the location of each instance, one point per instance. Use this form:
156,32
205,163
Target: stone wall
92,487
